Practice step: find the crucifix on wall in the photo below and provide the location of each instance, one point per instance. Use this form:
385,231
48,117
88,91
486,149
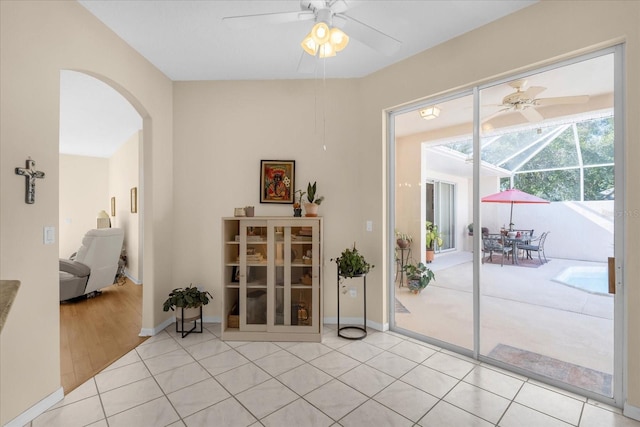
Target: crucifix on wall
30,174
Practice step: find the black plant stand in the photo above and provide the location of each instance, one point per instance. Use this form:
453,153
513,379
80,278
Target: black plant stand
362,328
195,319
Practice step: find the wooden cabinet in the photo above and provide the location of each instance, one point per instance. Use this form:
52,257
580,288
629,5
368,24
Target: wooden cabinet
272,279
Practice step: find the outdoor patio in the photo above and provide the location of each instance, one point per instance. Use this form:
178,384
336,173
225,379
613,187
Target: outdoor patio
527,319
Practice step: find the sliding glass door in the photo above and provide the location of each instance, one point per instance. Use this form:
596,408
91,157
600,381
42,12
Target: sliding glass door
520,284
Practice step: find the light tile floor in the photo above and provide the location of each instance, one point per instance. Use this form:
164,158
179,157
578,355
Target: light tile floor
384,380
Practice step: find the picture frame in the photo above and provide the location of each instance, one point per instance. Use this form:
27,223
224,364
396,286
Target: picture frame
235,274
277,181
113,206
134,200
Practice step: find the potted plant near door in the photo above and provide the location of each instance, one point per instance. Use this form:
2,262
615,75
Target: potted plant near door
418,276
352,263
434,239
311,208
403,240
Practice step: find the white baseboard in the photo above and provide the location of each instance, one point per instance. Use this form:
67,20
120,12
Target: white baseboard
36,410
355,321
149,332
133,279
631,411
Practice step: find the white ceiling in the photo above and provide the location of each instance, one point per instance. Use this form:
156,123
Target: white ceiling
187,40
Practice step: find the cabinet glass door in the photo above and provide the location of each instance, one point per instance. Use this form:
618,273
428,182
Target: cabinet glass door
297,258
253,280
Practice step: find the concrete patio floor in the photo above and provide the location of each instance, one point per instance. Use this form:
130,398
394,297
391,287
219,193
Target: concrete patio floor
521,307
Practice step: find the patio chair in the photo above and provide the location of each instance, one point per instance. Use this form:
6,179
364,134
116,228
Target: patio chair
495,243
525,241
539,247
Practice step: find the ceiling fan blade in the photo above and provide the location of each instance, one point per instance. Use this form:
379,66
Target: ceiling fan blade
248,21
307,63
339,6
580,99
531,115
486,121
533,91
368,35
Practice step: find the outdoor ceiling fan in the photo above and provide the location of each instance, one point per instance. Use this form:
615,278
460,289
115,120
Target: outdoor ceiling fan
329,12
525,101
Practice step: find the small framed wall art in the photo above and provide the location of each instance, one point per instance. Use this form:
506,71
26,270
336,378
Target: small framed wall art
113,206
277,181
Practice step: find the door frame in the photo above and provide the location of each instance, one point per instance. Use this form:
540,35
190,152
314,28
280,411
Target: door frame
620,221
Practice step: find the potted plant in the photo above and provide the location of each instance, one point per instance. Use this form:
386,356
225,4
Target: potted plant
186,298
434,238
403,240
418,276
470,228
352,263
297,205
311,208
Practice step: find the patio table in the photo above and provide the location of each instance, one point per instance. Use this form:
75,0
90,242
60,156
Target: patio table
524,238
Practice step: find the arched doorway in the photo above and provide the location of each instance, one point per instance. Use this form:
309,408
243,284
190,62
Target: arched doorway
101,152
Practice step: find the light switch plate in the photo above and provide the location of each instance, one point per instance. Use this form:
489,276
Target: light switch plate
49,235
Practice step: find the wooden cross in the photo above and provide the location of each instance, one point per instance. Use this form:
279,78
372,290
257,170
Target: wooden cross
30,175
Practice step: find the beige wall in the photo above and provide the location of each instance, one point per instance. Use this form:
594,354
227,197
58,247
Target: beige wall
123,176
37,40
84,190
222,130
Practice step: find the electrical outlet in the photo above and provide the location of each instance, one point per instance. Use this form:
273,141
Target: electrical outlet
353,292
369,225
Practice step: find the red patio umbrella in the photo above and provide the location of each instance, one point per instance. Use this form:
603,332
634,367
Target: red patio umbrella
513,196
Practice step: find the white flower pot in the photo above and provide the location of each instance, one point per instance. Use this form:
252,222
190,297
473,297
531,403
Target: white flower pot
310,209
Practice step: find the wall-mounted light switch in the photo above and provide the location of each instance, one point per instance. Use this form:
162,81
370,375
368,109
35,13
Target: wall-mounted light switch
49,235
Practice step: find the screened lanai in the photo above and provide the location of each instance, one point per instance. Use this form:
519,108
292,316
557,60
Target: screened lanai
568,160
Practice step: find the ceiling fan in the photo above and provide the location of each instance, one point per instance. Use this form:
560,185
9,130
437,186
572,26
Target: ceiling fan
329,11
526,101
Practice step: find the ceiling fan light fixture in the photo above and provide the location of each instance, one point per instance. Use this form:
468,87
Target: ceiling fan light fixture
327,50
309,45
324,41
320,33
430,113
338,39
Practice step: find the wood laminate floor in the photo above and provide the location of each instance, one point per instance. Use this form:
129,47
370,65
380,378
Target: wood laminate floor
97,331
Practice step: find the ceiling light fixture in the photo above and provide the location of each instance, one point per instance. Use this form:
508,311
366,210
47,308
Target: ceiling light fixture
324,40
430,113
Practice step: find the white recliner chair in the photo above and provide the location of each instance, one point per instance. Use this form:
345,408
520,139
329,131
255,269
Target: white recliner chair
94,266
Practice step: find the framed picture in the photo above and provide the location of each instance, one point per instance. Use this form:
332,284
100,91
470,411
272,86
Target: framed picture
235,274
134,200
277,181
113,206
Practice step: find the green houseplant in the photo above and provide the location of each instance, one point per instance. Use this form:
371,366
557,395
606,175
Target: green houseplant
311,208
403,239
189,297
418,276
433,239
352,263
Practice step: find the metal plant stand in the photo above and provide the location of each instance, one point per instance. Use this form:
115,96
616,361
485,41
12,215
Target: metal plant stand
182,321
362,328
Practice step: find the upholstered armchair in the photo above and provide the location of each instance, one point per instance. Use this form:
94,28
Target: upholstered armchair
94,266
